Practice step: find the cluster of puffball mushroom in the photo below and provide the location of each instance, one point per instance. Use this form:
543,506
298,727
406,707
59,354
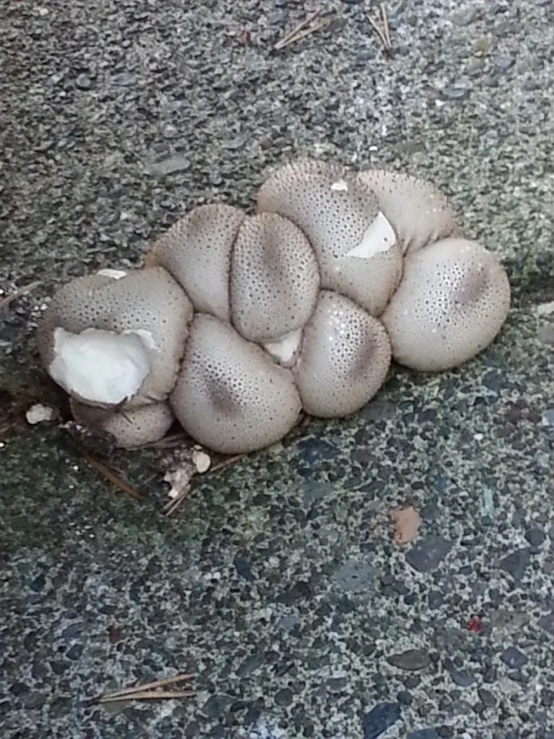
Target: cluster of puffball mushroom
239,324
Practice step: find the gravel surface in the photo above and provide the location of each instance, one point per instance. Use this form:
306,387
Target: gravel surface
279,584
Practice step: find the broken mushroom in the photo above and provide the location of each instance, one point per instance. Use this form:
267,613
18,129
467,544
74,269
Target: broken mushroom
419,213
110,341
356,247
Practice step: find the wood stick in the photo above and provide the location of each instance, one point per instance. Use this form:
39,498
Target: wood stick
290,37
150,686
148,695
18,293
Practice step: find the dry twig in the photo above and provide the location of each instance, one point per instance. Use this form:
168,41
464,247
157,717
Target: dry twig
149,691
18,293
309,25
109,474
384,33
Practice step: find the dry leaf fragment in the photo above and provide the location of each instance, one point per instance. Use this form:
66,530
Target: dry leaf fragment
406,523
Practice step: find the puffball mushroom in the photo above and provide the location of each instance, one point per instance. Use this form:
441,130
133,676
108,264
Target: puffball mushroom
451,304
417,210
132,427
238,323
197,252
230,395
109,340
357,249
274,283
344,359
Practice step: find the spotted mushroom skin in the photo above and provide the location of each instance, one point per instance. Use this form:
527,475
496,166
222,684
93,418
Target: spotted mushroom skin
238,324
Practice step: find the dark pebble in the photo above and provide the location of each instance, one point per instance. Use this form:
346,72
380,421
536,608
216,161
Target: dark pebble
19,689
486,697
423,734
412,660
516,563
513,658
284,697
435,599
216,706
38,583
535,537
404,697
242,566
74,652
379,719
428,553
462,679
83,82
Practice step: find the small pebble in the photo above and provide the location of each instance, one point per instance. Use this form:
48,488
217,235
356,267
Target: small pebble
427,554
513,658
412,660
380,719
516,563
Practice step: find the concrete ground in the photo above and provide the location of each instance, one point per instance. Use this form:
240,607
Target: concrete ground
279,583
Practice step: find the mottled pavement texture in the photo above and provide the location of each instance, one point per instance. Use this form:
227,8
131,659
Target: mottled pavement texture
279,583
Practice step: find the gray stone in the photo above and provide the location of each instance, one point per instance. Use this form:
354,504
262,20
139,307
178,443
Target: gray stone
516,563
380,719
486,697
427,554
513,658
412,660
355,575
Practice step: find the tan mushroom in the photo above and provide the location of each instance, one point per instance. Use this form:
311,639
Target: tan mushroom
133,427
355,244
107,340
344,359
197,252
230,396
419,213
451,304
274,283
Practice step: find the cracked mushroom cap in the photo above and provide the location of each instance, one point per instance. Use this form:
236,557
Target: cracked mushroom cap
133,427
344,359
274,279
356,247
105,339
230,396
419,213
197,252
451,304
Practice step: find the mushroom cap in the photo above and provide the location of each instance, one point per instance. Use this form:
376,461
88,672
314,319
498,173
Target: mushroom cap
451,304
230,396
344,359
419,213
274,278
131,428
197,252
139,327
355,245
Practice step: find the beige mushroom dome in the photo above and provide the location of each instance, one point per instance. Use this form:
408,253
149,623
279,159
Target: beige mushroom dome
230,395
451,304
344,359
